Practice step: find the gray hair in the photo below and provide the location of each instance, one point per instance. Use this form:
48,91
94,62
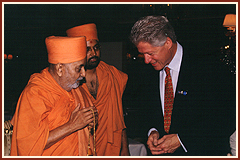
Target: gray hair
152,29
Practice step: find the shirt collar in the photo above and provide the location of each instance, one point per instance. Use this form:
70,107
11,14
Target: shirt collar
177,59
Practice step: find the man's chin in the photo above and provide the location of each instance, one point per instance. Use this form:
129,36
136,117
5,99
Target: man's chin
92,66
157,68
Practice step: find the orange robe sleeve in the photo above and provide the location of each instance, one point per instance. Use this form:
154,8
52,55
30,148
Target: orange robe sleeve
112,83
30,131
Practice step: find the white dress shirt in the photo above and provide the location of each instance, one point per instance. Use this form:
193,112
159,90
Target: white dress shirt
174,66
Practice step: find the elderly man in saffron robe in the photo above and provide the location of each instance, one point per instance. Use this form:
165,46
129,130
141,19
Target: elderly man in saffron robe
51,118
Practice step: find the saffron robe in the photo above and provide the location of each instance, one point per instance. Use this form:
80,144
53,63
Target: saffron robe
43,106
112,83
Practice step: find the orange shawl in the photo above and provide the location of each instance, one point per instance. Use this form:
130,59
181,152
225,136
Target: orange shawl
112,83
42,107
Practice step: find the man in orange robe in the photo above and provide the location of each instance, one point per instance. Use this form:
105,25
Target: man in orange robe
51,118
105,85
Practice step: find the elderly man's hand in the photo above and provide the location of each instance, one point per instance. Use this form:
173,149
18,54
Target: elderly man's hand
167,144
80,118
95,113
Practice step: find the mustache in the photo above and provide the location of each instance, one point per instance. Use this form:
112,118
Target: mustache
94,57
80,78
83,80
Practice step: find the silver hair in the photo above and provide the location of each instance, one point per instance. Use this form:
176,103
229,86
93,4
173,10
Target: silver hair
152,29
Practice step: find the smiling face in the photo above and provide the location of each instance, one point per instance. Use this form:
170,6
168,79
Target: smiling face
73,73
158,56
93,54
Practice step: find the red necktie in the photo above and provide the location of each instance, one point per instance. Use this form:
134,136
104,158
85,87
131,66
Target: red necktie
168,100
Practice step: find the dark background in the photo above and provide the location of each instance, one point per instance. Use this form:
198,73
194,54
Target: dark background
27,25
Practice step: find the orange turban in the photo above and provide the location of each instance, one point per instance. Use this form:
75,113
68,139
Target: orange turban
87,30
66,49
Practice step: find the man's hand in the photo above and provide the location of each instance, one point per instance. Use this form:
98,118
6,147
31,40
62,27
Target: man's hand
80,118
167,144
153,142
91,124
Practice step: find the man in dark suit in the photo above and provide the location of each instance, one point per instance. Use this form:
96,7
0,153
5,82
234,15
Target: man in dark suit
195,121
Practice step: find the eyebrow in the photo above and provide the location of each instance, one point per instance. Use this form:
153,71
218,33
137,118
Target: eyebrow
94,45
82,65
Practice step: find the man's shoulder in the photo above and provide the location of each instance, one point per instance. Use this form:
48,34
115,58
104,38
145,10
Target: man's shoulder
110,67
39,82
113,70
35,86
102,63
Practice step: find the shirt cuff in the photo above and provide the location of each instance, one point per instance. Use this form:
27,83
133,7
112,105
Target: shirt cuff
152,129
182,144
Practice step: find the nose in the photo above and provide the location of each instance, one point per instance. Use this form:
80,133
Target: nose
83,72
92,51
147,58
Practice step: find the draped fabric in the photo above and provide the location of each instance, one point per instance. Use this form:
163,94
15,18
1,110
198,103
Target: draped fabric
112,83
43,106
83,135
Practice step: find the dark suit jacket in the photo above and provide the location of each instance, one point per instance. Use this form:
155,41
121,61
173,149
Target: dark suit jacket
204,118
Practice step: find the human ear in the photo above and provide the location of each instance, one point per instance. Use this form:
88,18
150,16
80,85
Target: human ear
168,43
59,69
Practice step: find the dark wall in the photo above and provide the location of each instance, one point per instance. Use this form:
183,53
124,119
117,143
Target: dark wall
27,25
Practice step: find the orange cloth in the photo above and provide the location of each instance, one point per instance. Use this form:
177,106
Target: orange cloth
42,107
65,49
112,83
87,30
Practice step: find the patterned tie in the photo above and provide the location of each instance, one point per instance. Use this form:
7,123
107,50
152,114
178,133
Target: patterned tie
168,100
